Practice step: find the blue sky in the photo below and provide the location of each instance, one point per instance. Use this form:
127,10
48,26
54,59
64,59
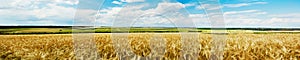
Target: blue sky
145,13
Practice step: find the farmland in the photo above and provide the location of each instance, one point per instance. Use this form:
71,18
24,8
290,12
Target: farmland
17,30
150,45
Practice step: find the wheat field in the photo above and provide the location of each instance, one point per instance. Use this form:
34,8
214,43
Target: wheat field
153,46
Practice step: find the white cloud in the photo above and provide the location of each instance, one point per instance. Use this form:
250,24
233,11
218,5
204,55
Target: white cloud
53,14
85,17
106,16
285,19
132,1
130,13
253,18
242,4
236,5
233,18
216,6
282,22
209,7
291,15
165,7
54,10
260,3
243,12
33,4
37,12
71,2
243,18
117,2
20,4
200,20
190,4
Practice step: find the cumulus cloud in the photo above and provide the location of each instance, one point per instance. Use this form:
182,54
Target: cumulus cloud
130,13
106,16
30,4
232,18
46,12
253,18
200,20
291,19
40,11
243,18
166,7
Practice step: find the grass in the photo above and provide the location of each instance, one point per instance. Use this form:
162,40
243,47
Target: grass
131,30
238,46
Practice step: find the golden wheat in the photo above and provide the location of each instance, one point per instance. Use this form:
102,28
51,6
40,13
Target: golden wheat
238,46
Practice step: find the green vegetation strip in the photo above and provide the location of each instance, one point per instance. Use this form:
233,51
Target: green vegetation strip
9,31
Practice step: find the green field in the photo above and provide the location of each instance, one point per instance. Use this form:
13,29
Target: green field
134,30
